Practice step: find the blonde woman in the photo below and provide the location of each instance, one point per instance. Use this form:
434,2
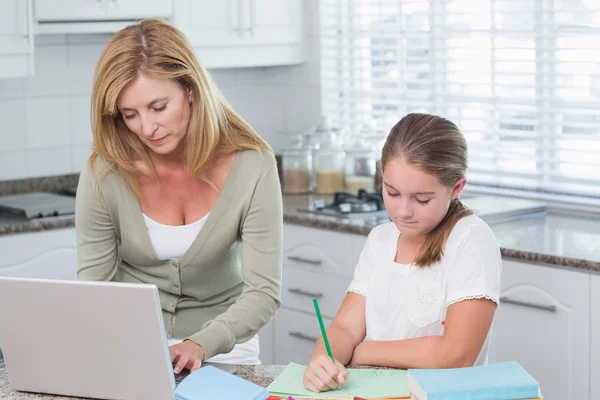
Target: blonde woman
427,284
180,192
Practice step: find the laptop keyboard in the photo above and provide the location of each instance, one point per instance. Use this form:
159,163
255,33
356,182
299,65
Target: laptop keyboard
181,376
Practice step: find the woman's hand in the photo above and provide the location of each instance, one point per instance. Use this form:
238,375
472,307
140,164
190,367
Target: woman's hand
322,374
187,354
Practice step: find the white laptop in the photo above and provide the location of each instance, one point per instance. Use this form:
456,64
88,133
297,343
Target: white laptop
87,339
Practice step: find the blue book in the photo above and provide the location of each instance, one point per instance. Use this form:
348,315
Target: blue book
210,383
502,381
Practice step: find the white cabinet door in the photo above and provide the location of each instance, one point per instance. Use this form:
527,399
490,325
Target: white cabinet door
595,353
70,10
99,10
242,33
16,39
209,23
274,21
45,255
136,9
543,323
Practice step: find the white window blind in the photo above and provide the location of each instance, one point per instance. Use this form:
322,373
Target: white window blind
521,78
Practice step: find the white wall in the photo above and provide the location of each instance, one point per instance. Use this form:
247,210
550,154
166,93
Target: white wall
44,119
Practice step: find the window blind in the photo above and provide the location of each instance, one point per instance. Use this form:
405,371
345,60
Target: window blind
521,78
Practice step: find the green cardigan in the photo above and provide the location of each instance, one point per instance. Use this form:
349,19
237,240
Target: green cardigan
226,286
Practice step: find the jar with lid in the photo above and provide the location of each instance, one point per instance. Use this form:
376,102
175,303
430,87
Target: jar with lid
297,165
329,166
360,165
325,140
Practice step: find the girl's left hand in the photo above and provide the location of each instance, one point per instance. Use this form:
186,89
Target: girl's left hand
187,354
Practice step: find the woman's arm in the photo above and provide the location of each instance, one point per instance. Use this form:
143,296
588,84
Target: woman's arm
465,330
97,256
261,233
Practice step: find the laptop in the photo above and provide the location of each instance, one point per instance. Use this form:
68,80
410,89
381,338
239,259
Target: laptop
102,340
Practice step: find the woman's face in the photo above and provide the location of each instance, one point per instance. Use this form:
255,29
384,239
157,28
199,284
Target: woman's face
157,111
415,200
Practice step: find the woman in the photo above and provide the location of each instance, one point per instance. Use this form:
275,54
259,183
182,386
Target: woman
180,192
427,284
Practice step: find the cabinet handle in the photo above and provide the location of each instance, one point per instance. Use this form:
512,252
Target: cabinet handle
305,260
302,336
305,293
506,300
251,11
236,10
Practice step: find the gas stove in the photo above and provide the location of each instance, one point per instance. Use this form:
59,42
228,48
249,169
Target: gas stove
347,205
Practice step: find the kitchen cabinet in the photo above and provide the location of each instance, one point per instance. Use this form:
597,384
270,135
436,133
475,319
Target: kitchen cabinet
46,255
595,353
16,39
543,323
97,10
317,263
242,33
266,336
95,16
296,336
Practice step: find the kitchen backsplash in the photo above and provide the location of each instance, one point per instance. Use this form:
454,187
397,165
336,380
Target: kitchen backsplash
45,126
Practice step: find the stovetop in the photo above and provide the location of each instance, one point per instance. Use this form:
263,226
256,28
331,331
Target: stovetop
347,205
36,205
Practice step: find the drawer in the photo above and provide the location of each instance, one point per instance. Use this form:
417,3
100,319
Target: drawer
300,287
295,336
319,250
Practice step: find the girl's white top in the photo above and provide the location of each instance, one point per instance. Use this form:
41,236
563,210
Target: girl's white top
404,301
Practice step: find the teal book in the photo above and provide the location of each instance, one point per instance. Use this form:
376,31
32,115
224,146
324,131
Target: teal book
501,381
210,383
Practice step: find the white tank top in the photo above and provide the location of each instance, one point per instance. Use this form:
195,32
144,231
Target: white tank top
172,241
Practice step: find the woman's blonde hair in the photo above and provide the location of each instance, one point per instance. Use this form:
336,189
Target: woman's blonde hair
436,146
155,49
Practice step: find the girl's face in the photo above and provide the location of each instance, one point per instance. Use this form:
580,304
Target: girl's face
157,111
416,201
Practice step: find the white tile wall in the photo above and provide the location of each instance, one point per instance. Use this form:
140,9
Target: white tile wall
12,115
45,126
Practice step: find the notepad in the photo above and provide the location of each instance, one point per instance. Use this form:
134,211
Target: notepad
502,381
210,383
368,383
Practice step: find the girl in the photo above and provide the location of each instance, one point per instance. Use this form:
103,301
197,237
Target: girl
427,285
180,192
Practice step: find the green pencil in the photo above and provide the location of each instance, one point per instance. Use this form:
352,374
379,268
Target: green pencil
318,311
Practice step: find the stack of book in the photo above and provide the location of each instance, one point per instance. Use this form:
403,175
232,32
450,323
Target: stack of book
501,381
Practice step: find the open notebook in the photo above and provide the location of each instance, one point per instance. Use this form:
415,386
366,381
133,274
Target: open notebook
366,383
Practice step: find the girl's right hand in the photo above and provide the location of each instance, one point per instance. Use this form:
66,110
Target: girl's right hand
322,374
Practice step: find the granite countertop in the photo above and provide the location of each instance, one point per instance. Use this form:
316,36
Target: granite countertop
262,375
564,240
561,239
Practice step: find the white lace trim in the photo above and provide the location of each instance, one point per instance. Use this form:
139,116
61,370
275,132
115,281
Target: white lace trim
479,296
357,292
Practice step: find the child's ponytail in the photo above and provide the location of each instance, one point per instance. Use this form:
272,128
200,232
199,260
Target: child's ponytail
433,249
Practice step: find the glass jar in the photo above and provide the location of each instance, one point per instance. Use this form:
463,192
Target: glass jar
297,165
360,166
329,167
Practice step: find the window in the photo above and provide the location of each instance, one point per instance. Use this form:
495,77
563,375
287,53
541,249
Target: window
521,78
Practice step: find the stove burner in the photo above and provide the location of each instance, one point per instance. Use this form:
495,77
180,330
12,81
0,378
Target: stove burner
347,203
